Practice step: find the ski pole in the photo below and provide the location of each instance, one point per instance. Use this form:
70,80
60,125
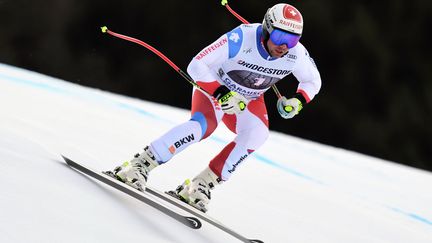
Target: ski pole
155,51
244,21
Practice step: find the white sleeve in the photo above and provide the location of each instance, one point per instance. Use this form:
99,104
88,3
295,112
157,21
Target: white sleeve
201,66
308,76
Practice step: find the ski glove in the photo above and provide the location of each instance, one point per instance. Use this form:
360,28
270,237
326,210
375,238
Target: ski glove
231,102
288,108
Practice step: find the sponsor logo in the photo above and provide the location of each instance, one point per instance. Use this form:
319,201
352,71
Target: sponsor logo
211,48
180,143
234,166
290,24
184,140
242,158
231,85
263,69
172,149
247,51
292,56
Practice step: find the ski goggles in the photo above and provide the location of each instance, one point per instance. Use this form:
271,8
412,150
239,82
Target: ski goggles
280,37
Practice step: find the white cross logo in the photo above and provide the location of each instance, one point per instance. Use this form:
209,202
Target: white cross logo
234,37
293,12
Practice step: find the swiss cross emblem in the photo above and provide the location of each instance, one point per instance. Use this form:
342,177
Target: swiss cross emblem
234,37
290,12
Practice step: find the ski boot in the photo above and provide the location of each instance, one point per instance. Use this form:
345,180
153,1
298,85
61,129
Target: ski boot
197,192
135,172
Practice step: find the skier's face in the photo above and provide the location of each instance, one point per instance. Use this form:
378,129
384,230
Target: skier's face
276,50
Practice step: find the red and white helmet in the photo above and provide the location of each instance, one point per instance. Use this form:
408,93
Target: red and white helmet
284,17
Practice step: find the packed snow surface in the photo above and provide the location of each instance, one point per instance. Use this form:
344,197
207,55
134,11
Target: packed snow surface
290,190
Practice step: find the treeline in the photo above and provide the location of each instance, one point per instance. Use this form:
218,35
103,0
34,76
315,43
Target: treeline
374,59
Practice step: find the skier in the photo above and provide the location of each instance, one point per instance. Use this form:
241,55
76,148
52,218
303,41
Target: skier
236,70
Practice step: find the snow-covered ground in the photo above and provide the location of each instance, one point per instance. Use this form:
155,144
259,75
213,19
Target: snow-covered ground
291,190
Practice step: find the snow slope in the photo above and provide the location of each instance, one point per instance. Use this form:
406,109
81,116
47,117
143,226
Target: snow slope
291,190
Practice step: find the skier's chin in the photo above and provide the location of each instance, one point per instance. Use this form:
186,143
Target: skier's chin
278,54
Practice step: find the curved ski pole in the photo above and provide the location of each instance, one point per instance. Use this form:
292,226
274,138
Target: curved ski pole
244,21
158,53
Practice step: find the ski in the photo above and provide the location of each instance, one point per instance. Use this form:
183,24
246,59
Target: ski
188,208
191,222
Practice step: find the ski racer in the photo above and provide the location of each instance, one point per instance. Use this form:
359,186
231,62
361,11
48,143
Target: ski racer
237,69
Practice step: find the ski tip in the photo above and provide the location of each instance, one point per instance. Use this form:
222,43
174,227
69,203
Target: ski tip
67,160
256,241
194,222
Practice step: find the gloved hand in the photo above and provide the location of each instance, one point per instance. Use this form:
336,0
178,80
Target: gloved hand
288,108
231,102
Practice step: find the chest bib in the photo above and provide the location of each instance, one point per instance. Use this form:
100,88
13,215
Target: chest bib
250,71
